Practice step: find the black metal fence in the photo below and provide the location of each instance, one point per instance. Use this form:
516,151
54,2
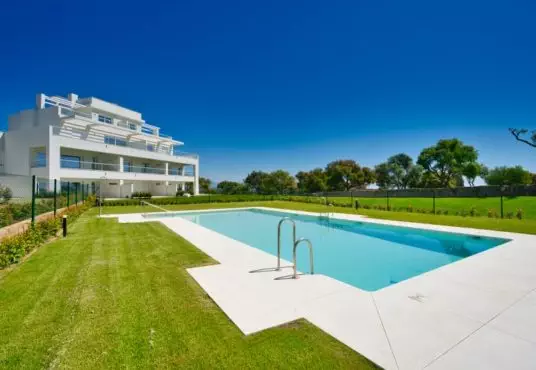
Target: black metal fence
490,199
26,197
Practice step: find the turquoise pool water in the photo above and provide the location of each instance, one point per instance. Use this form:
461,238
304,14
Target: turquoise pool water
368,256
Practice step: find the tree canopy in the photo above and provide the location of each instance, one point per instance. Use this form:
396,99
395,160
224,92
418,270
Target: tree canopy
231,187
346,174
398,172
204,185
508,176
312,181
446,161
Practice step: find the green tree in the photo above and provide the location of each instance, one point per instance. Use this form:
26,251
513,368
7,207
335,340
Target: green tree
383,176
312,181
473,170
518,133
256,181
231,187
369,177
447,160
347,174
398,172
204,185
279,182
508,176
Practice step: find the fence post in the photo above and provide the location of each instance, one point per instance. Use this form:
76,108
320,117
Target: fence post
502,206
433,195
351,198
76,194
33,200
55,197
387,195
68,194
82,197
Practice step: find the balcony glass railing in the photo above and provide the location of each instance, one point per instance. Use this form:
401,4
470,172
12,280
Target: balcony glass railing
145,169
95,166
84,165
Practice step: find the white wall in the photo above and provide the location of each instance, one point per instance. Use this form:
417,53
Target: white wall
27,129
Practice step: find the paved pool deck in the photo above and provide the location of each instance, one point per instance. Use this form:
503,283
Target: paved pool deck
479,312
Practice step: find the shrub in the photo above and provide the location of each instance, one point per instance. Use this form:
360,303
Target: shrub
410,208
519,213
12,249
141,195
473,212
179,193
510,215
5,194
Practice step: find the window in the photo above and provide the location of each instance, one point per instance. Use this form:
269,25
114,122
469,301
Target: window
127,166
132,126
69,161
112,140
120,142
147,130
150,147
39,160
105,119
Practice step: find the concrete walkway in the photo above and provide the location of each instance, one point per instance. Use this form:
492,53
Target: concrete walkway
479,312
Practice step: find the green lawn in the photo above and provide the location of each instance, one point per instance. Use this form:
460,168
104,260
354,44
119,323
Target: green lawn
118,296
527,226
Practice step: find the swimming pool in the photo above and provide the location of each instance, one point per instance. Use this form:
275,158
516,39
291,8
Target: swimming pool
367,255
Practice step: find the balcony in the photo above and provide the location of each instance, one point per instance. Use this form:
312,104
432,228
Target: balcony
130,172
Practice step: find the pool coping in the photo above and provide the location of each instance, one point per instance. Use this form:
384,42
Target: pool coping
441,319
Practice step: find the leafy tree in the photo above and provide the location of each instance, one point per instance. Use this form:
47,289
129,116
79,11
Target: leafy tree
256,181
347,174
383,177
534,179
280,182
231,187
473,170
518,133
447,160
369,177
312,181
204,185
508,176
399,172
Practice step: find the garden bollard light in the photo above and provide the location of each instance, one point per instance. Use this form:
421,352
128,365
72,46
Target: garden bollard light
64,223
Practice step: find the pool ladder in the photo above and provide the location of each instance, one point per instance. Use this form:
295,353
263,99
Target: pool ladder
295,244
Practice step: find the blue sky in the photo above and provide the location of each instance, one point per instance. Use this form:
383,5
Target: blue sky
288,84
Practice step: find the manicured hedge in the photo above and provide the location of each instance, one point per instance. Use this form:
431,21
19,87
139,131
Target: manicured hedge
12,249
195,199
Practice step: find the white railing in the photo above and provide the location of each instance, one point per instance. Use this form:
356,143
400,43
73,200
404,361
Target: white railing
122,142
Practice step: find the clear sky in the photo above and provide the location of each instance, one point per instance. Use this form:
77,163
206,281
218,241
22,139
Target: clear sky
287,84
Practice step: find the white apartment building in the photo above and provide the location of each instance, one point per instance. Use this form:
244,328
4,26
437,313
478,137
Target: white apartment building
91,141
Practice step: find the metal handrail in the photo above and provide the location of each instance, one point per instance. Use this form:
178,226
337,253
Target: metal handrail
279,238
311,262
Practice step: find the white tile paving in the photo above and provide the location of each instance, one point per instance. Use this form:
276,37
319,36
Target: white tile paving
479,312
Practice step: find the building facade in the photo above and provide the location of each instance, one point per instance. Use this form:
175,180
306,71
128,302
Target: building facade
93,142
